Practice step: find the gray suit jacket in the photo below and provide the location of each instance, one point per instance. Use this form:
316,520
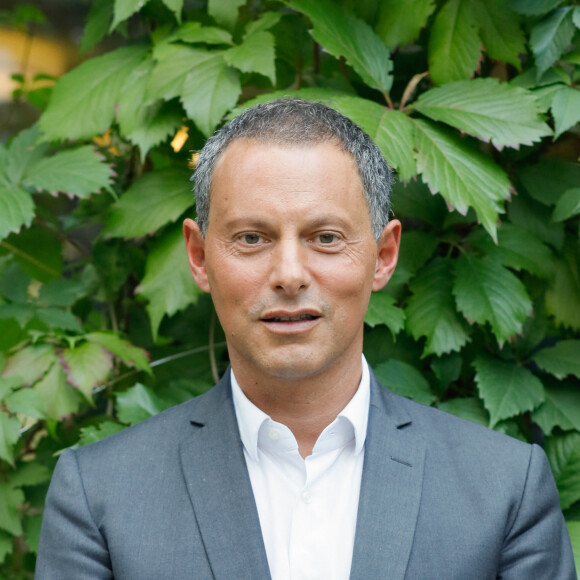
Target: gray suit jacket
441,498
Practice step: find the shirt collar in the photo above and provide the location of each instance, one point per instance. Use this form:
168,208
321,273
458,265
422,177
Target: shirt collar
250,418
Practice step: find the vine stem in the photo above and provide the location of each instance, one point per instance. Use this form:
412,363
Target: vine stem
29,258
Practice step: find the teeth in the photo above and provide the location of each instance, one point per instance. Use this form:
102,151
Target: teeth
292,318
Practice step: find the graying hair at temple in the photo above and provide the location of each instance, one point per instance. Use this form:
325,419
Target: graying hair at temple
295,122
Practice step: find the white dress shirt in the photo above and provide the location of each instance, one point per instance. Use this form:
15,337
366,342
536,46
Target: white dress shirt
307,507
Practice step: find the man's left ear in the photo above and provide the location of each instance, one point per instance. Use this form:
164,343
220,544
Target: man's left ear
387,254
195,246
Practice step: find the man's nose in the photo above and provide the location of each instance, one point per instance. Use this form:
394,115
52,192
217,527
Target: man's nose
290,271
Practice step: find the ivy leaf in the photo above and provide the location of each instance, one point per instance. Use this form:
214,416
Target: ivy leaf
404,379
568,205
500,31
87,366
83,101
30,363
470,408
464,176
559,409
131,355
563,295
564,455
78,172
10,500
506,388
94,433
9,434
97,26
225,12
382,310
454,44
151,202
505,114
58,397
565,109
137,404
560,360
255,54
431,310
342,34
550,37
485,291
16,209
167,261
533,6
400,22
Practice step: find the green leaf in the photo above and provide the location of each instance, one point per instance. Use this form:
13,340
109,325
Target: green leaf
87,366
506,388
95,433
58,397
404,379
129,354
137,404
77,172
256,54
574,533
568,205
97,26
26,402
560,360
564,455
9,434
29,473
57,318
560,409
470,408
225,12
500,31
401,22
431,310
7,385
83,102
10,501
549,179
382,310
150,203
61,292
454,44
533,6
125,9
485,291
550,37
194,32
30,363
563,295
342,34
167,261
16,209
502,113
6,545
416,249
464,176
32,527
14,284
266,21
22,155
576,16
175,6
565,109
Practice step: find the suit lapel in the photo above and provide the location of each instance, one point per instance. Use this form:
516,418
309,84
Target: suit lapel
390,491
219,486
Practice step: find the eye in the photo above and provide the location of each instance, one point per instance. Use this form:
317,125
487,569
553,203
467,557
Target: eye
327,238
251,239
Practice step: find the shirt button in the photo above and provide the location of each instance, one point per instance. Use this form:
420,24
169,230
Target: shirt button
306,496
274,435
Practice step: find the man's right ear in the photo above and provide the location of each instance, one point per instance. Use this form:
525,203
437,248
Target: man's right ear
195,246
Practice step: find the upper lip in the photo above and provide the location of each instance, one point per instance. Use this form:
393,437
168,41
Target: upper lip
291,314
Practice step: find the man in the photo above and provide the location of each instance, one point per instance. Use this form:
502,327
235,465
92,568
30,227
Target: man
298,464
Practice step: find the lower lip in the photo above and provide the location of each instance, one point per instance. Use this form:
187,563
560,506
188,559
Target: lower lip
291,327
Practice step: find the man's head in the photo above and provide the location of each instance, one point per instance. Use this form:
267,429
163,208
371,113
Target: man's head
294,122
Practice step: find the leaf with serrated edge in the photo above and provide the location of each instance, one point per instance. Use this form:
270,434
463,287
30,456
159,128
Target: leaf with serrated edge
22,155
124,9
167,260
194,32
568,205
9,433
462,175
470,408
77,172
550,37
560,409
485,291
150,203
137,404
404,379
16,209
10,500
131,355
266,21
454,45
87,366
507,389
565,109
564,455
29,473
560,360
30,363
225,12
431,310
97,26
256,54
83,101
58,397
563,295
533,6
26,402
382,310
400,22
94,433
487,109
342,34
175,6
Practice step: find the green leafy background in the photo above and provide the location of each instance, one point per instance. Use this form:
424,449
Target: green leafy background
474,103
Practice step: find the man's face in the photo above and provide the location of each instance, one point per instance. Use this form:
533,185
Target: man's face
289,258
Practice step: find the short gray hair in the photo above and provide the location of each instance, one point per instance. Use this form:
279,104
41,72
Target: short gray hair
295,122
